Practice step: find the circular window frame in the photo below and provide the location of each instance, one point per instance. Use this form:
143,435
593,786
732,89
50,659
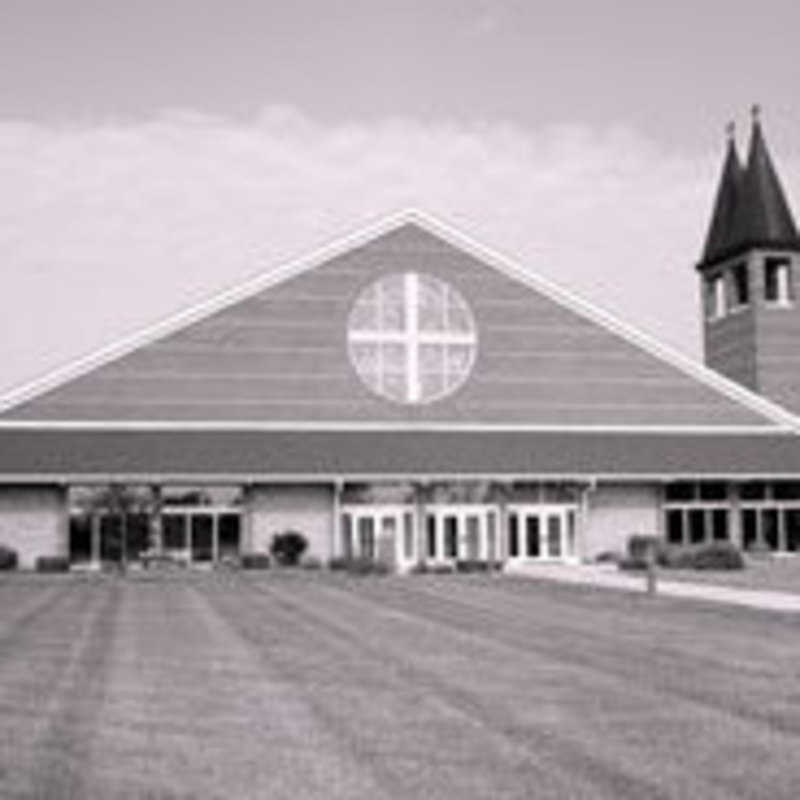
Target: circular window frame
452,340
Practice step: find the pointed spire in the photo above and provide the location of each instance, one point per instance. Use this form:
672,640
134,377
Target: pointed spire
764,217
751,209
720,230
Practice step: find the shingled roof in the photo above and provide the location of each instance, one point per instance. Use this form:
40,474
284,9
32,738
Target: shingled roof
751,209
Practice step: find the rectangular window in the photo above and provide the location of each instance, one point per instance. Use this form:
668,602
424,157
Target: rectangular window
753,490
675,526
715,297
749,527
680,491
366,537
532,536
786,490
719,524
791,524
173,531
408,535
777,280
451,537
513,536
713,491
554,536
697,525
431,532
769,527
741,285
347,536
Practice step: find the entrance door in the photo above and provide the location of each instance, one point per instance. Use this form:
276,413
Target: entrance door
202,537
460,533
540,532
382,532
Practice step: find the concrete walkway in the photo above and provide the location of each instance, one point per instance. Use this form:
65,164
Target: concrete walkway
609,577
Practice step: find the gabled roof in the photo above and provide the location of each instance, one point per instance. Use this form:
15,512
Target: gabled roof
272,354
751,209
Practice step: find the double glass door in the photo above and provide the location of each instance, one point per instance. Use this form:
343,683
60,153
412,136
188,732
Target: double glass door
460,533
540,532
379,533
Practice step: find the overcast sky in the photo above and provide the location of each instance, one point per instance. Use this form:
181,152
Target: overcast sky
152,153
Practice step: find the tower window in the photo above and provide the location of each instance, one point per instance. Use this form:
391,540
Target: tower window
741,285
777,281
715,297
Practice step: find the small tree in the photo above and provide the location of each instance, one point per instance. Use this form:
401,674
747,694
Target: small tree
287,547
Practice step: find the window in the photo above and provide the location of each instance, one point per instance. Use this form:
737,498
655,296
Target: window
408,535
411,338
715,297
696,512
451,537
675,526
431,531
741,285
777,281
513,536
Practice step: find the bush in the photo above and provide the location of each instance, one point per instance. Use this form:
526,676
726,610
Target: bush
477,565
715,555
424,568
8,558
287,547
608,557
52,564
358,566
255,561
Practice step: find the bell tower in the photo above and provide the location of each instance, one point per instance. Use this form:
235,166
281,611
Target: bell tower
750,277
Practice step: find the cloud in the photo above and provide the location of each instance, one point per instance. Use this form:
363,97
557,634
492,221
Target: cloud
105,229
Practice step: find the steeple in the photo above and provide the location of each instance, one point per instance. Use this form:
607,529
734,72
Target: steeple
720,235
751,209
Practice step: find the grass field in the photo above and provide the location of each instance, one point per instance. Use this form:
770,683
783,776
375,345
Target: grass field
236,685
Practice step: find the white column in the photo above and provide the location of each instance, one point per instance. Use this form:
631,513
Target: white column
336,528
95,525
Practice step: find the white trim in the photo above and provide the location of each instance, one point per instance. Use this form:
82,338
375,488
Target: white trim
211,426
595,479
457,239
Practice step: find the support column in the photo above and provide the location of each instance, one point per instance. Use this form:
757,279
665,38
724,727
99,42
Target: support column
156,542
583,520
215,538
95,526
419,520
735,534
336,528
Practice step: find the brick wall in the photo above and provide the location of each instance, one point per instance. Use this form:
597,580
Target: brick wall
307,509
618,510
34,521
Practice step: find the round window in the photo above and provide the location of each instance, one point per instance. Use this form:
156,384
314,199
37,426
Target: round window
411,338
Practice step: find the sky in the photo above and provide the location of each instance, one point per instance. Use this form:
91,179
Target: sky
155,153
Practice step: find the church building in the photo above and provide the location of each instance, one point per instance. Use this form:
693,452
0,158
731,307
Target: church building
408,395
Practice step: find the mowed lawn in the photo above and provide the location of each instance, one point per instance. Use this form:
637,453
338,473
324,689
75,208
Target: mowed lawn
268,685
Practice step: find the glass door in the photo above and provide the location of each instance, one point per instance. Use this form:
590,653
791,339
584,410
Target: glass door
540,533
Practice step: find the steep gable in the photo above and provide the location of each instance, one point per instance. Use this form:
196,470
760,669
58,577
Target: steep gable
277,353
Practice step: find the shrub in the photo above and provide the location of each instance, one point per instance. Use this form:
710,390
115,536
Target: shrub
608,557
641,545
717,555
8,558
52,564
424,568
255,561
476,565
287,547
358,566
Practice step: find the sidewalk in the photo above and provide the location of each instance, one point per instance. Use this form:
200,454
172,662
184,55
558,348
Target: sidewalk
609,577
